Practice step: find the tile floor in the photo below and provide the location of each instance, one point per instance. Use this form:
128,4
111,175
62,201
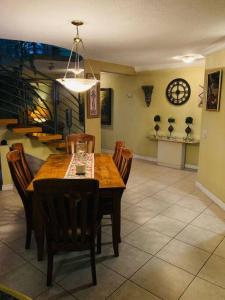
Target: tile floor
173,246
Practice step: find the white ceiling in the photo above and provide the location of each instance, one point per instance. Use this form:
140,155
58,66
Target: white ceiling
145,34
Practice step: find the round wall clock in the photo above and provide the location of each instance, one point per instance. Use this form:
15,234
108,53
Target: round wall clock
178,91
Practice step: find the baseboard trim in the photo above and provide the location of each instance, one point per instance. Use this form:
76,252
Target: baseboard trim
148,158
193,167
7,187
152,159
107,151
211,196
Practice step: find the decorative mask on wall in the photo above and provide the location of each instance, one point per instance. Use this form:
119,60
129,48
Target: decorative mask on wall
148,93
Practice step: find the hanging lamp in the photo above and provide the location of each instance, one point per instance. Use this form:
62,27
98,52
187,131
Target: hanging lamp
77,84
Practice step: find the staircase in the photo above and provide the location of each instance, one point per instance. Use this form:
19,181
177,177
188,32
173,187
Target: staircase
36,105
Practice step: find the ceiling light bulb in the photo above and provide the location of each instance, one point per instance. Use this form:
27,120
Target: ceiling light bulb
188,59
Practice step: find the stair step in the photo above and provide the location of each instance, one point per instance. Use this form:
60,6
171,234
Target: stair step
8,121
25,130
59,145
45,137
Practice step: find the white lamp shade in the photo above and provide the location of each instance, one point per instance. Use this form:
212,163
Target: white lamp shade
78,85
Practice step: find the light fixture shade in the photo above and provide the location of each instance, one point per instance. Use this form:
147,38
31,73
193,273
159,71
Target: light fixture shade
78,85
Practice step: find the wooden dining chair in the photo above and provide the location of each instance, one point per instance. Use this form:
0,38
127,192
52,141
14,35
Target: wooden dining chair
106,197
69,209
19,147
117,152
126,157
73,141
21,182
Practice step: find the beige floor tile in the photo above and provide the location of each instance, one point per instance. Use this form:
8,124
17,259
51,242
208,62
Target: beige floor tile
165,225
214,224
171,197
180,213
162,279
213,270
202,290
12,230
128,262
26,279
184,256
215,211
201,238
9,260
133,197
194,203
220,250
78,283
55,292
19,247
126,227
138,214
153,204
130,291
147,240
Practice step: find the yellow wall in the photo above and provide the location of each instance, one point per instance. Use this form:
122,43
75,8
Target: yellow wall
133,120
93,126
211,172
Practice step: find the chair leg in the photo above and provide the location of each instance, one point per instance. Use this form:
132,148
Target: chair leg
93,267
50,269
28,237
99,240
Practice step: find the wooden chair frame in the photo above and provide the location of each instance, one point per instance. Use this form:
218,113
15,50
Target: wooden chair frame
70,212
19,176
73,139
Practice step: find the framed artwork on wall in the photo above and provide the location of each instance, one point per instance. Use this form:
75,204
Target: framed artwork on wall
93,100
106,106
214,80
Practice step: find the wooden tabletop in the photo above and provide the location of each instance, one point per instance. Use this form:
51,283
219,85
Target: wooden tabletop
105,170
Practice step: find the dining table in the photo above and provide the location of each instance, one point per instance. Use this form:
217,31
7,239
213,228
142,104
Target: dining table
110,181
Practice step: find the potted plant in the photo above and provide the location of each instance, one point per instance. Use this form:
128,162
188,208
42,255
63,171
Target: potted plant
171,128
157,119
188,130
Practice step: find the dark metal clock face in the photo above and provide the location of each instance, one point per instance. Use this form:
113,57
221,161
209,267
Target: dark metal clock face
178,91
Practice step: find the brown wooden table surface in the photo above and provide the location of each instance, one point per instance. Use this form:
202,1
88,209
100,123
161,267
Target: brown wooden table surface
109,179
105,170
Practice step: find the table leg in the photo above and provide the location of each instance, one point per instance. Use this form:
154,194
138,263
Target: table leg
38,231
116,220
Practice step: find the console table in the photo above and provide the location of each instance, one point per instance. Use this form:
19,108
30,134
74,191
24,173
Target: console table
171,151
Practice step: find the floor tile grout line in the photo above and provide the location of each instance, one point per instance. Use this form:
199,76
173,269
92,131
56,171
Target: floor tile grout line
201,269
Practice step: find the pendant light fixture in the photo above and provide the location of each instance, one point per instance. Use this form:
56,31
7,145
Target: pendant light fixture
77,84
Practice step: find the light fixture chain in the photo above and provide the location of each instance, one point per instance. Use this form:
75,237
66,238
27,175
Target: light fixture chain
68,64
89,65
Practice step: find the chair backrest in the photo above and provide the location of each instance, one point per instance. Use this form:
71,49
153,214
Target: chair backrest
73,140
125,164
117,152
69,209
18,173
28,172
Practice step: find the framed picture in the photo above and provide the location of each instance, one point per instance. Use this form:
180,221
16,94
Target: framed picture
106,106
93,99
214,80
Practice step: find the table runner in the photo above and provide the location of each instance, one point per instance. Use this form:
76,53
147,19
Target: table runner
87,159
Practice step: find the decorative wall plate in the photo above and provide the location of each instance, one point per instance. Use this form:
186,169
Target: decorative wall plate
178,91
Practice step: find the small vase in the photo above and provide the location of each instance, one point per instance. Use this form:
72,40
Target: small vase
156,129
170,129
188,131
